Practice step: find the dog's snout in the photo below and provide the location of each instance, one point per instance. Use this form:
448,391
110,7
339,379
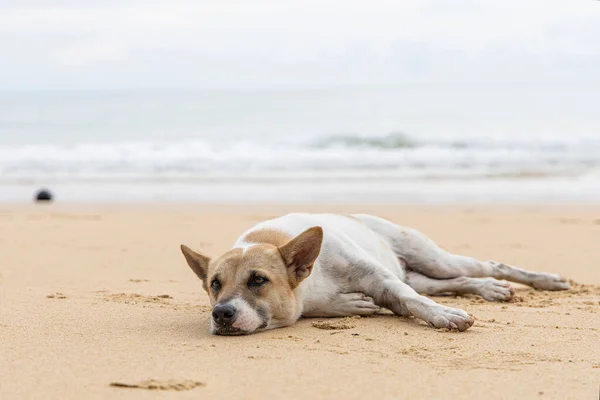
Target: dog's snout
224,314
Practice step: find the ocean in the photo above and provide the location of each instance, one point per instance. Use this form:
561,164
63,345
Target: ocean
420,143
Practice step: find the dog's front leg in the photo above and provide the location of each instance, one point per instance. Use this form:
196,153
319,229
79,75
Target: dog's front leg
400,298
341,305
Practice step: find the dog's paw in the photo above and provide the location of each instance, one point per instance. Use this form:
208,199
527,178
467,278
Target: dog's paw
547,281
449,318
354,304
494,290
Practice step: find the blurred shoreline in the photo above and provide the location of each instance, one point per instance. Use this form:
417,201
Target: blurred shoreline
563,190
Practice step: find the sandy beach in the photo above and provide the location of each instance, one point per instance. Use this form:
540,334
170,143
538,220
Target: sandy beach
97,295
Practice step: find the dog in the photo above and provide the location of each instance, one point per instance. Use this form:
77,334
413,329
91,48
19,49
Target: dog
330,265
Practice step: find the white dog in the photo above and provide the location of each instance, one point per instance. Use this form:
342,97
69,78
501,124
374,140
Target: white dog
327,265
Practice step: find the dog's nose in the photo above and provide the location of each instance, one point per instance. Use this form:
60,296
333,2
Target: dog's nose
223,314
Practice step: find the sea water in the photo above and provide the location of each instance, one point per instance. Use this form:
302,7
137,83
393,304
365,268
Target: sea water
434,143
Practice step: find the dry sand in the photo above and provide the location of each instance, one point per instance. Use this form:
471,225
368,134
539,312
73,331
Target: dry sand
93,297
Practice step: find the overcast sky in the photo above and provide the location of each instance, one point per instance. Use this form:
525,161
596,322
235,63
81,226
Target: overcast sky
264,43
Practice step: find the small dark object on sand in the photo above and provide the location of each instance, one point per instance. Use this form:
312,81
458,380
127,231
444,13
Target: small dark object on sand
43,195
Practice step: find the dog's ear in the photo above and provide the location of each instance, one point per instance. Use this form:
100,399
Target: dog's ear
197,262
300,254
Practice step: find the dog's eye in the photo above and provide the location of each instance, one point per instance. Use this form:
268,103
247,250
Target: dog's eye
215,285
257,281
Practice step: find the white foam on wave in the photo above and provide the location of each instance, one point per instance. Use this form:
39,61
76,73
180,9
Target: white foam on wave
203,159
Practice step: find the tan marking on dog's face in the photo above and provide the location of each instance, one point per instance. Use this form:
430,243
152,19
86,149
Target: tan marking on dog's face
270,236
266,305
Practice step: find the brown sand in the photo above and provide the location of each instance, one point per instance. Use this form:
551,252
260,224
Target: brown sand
91,296
336,323
154,384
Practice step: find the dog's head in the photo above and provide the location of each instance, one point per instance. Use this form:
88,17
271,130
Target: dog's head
252,289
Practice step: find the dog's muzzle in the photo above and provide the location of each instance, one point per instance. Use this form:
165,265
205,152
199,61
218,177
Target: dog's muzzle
224,316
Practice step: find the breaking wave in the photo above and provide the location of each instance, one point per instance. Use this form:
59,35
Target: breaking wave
396,153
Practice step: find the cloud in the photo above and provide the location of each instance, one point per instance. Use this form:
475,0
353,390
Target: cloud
260,43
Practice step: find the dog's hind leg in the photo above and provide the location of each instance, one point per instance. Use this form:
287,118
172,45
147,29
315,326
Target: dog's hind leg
422,255
490,289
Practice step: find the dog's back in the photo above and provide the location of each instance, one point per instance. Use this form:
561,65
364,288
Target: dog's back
344,237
